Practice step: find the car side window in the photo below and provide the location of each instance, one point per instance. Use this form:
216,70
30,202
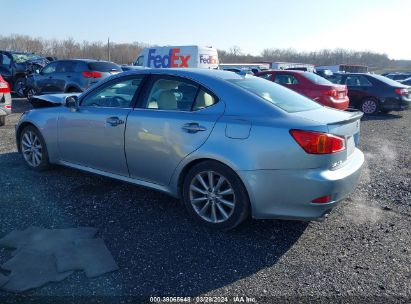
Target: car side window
171,94
203,100
265,76
285,79
118,94
337,79
50,68
357,81
66,66
5,60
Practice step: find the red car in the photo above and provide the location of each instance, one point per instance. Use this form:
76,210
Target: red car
310,85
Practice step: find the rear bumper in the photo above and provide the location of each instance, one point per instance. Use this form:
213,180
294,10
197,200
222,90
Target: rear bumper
340,104
395,104
288,194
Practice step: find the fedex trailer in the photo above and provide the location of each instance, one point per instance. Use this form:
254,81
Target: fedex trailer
189,56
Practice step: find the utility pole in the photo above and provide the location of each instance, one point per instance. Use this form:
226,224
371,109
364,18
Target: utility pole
108,48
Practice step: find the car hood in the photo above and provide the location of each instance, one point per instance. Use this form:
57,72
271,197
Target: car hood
50,100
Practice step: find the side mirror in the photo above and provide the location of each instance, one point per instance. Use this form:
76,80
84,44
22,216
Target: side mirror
72,103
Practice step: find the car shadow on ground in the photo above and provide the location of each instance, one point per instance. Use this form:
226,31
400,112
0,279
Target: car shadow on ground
160,250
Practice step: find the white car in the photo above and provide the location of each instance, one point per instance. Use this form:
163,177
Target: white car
5,101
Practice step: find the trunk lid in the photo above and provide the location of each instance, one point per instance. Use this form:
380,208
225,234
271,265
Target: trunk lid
341,123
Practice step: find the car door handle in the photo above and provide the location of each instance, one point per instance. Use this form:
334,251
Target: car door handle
193,127
68,76
50,77
114,121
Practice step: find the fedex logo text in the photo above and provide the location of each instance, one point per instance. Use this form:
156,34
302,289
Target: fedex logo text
208,59
172,60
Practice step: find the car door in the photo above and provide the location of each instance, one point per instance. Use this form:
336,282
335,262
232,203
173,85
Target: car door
93,135
358,88
63,75
175,118
44,80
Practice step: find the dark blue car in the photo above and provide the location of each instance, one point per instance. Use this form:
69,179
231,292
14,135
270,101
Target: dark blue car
68,76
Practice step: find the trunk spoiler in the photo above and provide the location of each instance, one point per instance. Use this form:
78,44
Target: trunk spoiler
354,115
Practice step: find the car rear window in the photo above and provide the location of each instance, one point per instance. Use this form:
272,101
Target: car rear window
103,66
316,79
278,95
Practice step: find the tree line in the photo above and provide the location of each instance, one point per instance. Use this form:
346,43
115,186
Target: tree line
125,53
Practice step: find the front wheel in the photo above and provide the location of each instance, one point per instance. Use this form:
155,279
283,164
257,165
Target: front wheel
214,195
370,106
20,86
30,93
33,149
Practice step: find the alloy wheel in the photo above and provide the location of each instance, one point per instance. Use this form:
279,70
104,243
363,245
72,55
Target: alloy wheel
19,87
212,196
369,106
31,148
31,93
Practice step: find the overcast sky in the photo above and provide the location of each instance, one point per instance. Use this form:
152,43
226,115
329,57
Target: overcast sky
375,25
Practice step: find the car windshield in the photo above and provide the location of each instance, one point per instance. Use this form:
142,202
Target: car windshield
20,57
276,94
316,79
387,80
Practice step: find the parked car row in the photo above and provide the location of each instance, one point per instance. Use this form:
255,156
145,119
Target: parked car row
368,92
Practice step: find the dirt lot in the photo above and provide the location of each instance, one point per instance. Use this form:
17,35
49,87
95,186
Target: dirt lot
362,250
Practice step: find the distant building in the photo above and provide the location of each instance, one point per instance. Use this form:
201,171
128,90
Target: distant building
348,68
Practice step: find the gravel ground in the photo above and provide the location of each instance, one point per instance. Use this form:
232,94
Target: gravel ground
361,251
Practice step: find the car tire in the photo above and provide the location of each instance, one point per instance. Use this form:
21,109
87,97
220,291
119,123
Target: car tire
20,86
2,120
33,149
215,196
370,106
30,93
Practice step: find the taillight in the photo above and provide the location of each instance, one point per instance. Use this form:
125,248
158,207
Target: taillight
332,93
7,107
92,74
317,142
402,92
4,86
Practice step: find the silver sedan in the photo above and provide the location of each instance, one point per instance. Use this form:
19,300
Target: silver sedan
229,146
